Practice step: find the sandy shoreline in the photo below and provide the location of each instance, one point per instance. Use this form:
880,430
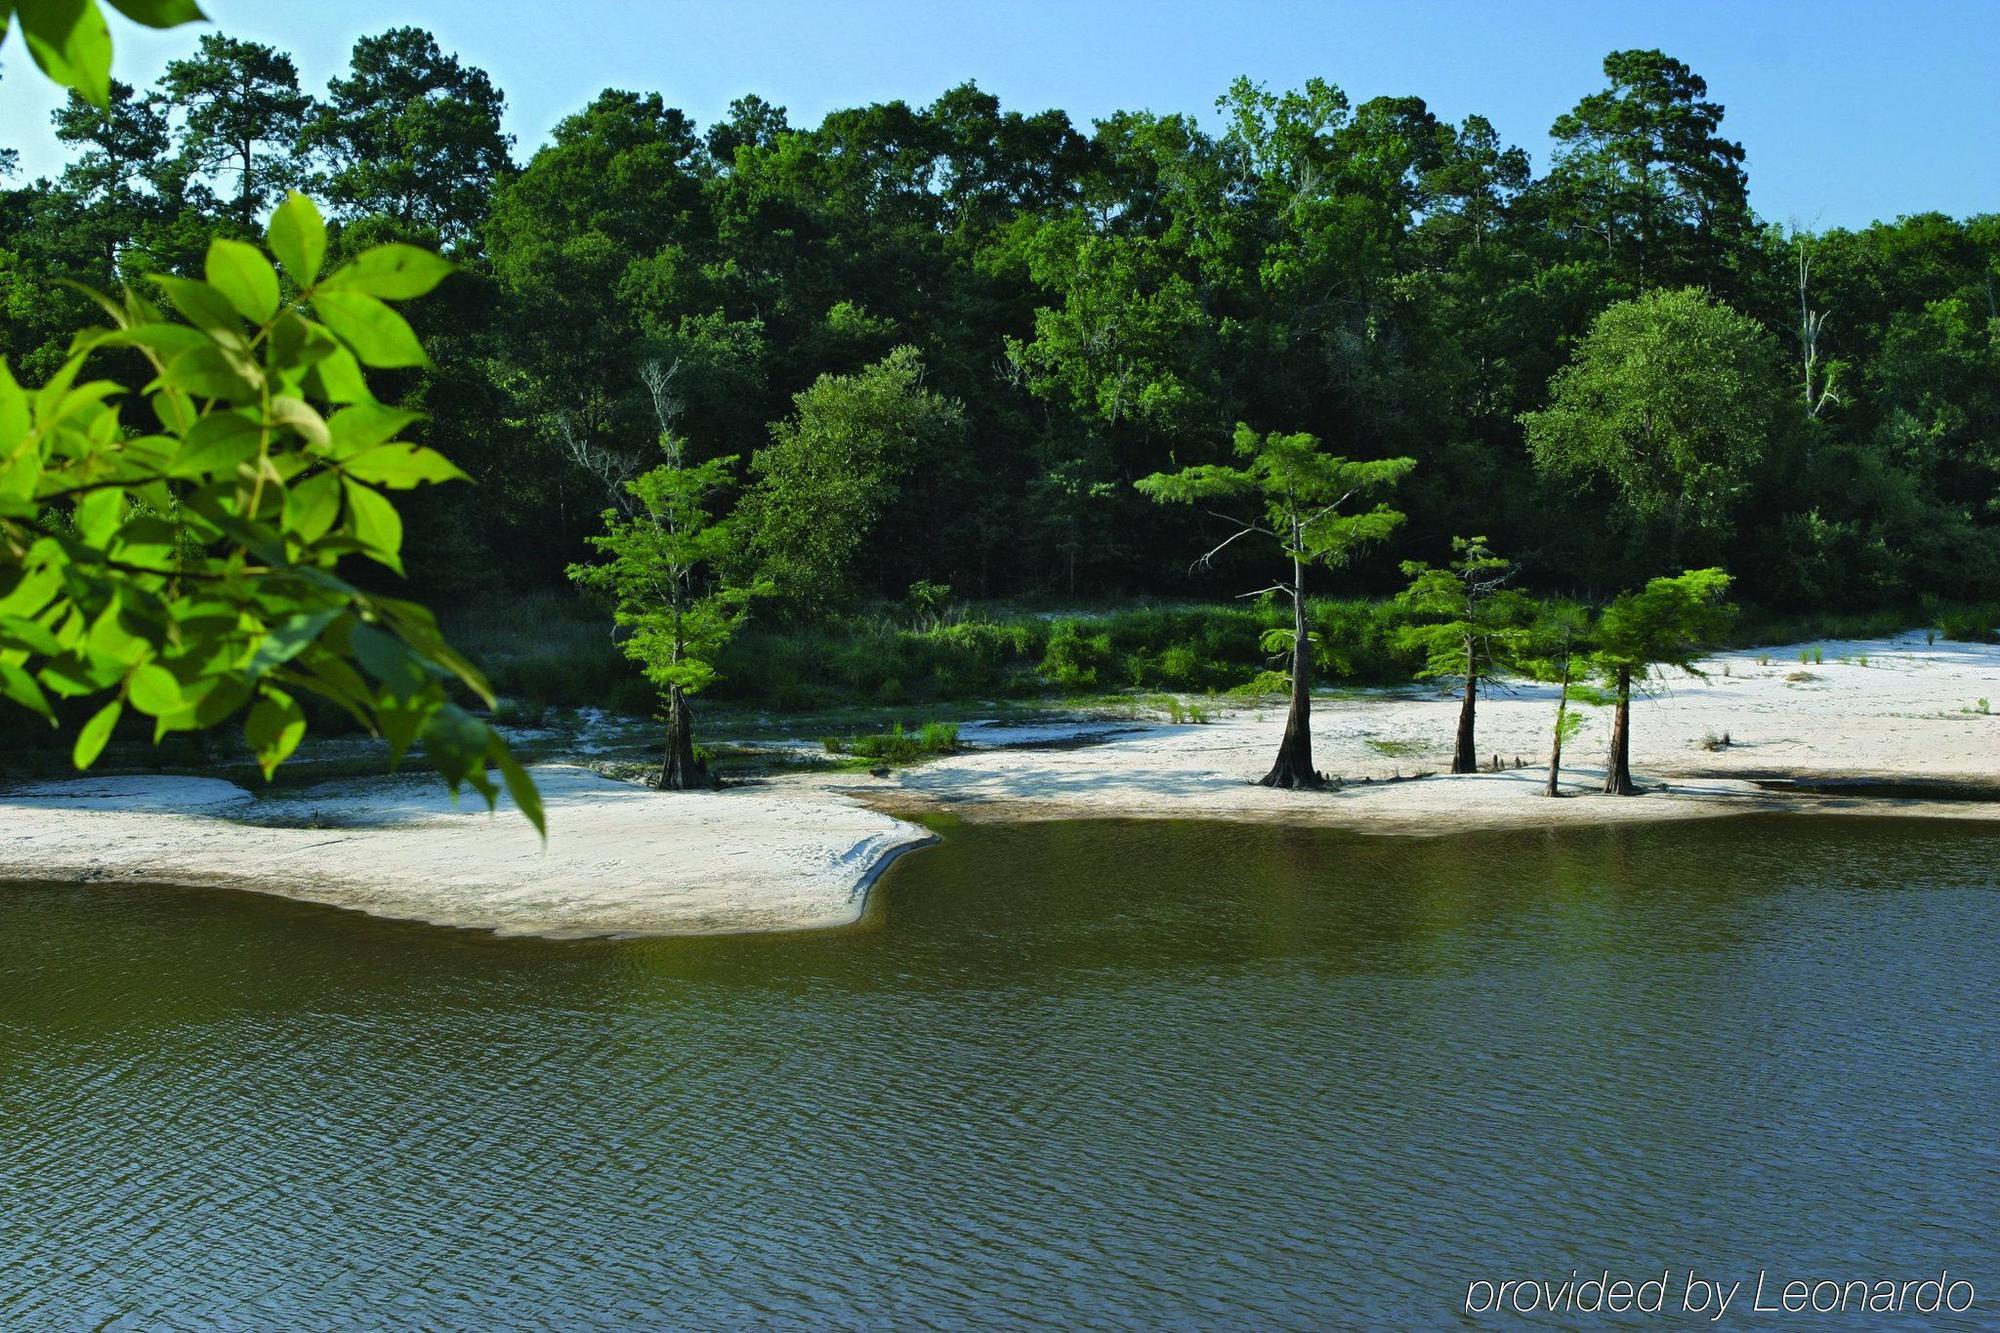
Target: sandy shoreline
801,852
621,860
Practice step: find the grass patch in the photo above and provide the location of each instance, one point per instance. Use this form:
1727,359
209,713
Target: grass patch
897,745
1397,749
1180,712
1971,624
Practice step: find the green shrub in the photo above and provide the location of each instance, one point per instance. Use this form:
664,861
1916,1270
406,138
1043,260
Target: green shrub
1182,665
520,712
1073,658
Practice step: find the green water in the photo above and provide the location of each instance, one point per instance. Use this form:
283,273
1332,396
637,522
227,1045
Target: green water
1152,1074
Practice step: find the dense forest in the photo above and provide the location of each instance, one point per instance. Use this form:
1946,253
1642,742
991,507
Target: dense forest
933,348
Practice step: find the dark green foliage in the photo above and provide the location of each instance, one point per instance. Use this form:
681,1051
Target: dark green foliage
827,483
959,333
411,136
243,118
1672,399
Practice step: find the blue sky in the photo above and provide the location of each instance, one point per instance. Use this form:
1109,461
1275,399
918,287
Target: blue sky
1850,110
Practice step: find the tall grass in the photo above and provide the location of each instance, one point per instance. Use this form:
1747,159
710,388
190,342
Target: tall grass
553,649
896,745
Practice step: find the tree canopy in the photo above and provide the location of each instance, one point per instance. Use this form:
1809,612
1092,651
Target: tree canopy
1672,398
1296,502
1599,364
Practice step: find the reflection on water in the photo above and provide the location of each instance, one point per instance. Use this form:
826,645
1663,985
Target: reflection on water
1121,1072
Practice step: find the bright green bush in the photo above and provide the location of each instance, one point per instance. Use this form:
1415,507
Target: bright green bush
1074,658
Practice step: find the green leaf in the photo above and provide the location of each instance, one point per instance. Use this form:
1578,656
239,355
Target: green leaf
203,305
165,341
90,741
19,686
30,636
401,466
337,378
207,372
71,42
400,721
460,744
287,640
302,418
519,785
390,661
159,13
98,515
224,698
40,584
216,446
111,640
365,425
394,272
375,524
312,506
298,238
416,626
19,476
153,690
274,729
242,274
14,416
375,333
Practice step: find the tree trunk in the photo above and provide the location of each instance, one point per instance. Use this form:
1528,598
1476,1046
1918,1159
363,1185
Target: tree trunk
1556,747
681,771
244,208
1464,758
1294,767
1618,772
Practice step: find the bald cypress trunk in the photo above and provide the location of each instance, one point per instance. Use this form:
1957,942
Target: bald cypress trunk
1465,755
681,770
1556,746
1294,767
1618,772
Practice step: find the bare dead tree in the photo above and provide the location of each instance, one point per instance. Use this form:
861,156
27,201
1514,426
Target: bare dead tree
1819,390
613,468
659,377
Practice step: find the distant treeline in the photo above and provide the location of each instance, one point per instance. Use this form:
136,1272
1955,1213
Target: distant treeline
1083,307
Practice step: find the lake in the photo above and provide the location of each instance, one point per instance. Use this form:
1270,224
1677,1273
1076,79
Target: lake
1107,1072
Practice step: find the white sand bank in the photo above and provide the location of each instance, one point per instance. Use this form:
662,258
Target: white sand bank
620,859
798,852
1909,713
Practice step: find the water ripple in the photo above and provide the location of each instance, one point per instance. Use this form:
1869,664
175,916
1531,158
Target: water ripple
1110,1074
